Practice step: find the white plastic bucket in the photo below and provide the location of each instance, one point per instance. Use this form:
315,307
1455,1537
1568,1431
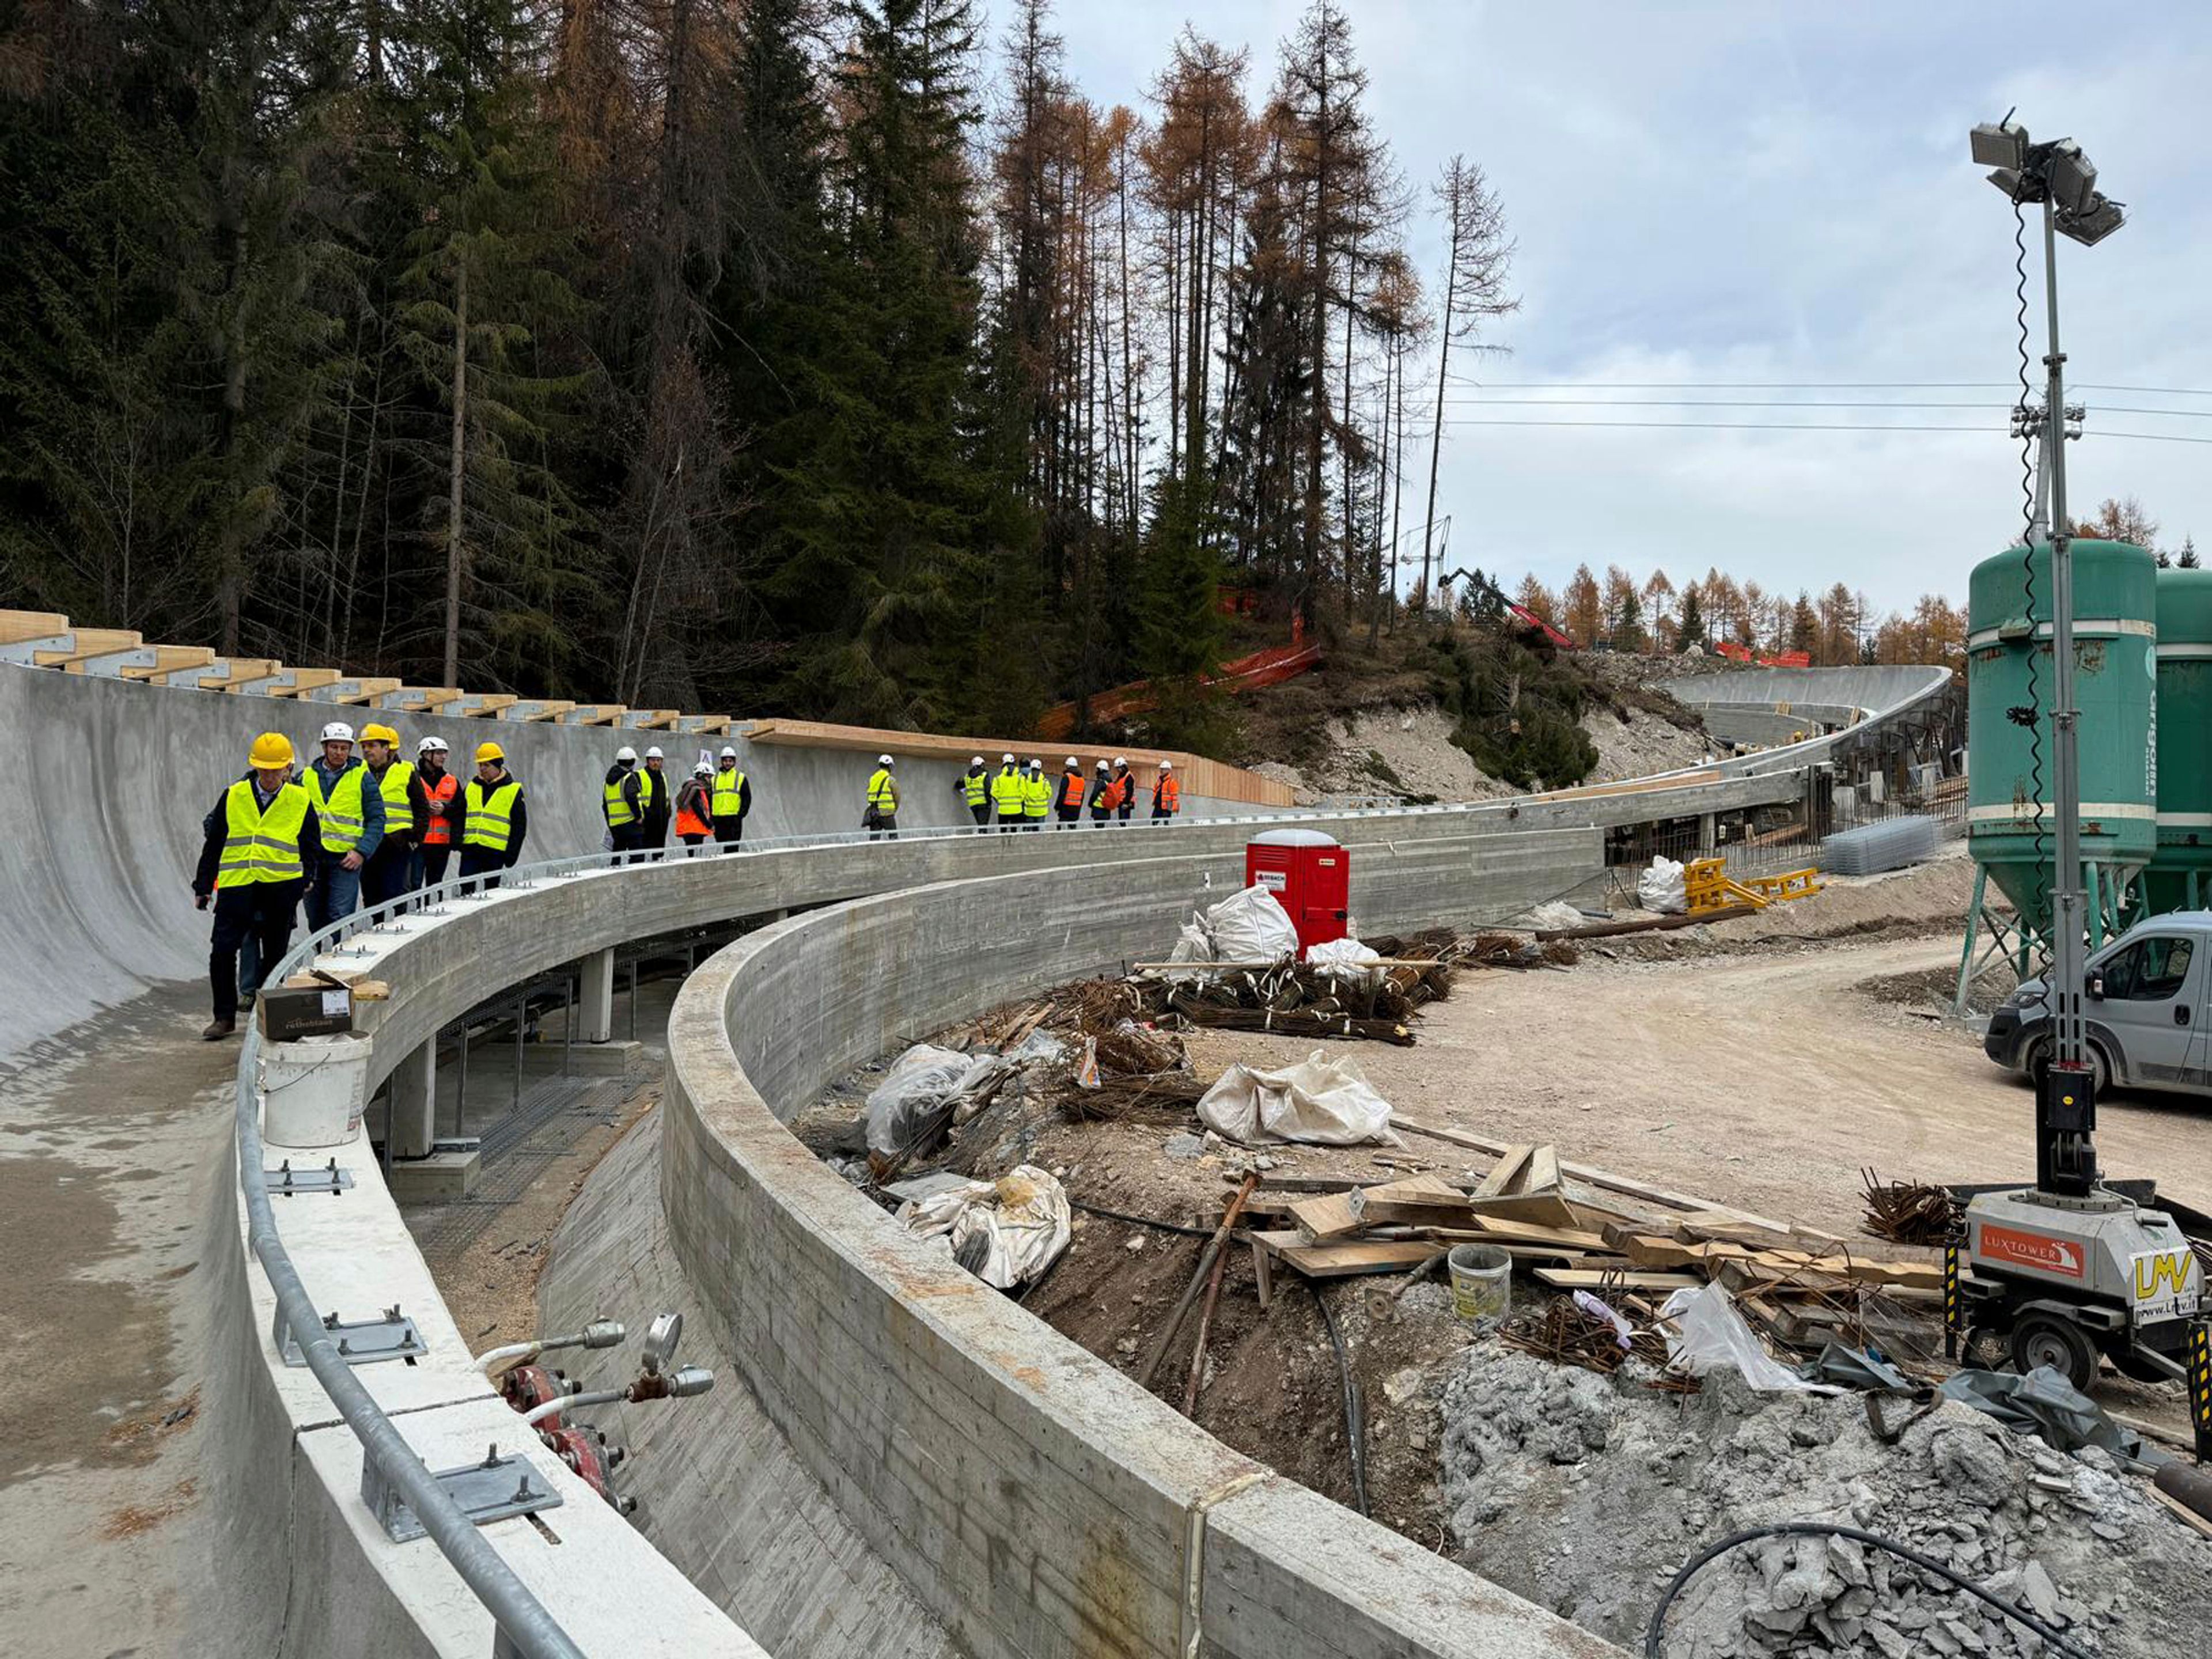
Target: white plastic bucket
312,1091
1481,1282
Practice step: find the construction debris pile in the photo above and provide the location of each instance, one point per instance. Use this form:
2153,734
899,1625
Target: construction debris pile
1909,1211
1799,1288
1632,1482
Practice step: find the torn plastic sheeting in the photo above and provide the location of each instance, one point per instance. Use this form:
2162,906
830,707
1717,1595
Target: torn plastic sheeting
1705,1334
919,1081
1623,1332
1857,1368
1328,1102
1038,1045
2044,1403
1018,1224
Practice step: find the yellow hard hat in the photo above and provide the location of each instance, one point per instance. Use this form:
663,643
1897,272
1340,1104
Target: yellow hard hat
375,733
490,751
270,749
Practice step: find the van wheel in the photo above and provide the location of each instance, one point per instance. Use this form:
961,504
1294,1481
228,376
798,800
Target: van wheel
2038,1062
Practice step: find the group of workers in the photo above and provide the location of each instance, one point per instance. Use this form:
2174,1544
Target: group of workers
1025,799
369,829
350,829
712,804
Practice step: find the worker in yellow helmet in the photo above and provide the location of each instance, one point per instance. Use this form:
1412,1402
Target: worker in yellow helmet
256,847
390,871
495,823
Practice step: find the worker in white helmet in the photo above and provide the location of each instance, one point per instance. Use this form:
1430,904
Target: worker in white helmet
974,789
881,816
441,822
1125,789
731,799
694,809
622,800
656,803
1167,794
1036,795
1006,795
1102,794
1067,795
349,819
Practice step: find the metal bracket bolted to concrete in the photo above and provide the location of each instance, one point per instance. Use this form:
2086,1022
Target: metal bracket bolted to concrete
284,1180
360,1342
493,1490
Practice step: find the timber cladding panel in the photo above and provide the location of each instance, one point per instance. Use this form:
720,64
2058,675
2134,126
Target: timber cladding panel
1037,1500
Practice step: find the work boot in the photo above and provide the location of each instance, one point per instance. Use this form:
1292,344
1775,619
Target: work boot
217,1030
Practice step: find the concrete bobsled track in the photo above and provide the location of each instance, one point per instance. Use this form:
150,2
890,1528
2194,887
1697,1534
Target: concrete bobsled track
897,1460
1765,705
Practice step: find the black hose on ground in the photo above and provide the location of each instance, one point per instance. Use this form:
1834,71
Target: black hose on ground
1140,1221
1355,1415
1653,1632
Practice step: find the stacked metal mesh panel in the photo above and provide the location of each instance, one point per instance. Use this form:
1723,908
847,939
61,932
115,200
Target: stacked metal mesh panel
1873,847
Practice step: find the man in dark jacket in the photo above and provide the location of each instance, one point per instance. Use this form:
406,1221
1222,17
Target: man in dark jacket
1101,796
622,801
656,803
256,845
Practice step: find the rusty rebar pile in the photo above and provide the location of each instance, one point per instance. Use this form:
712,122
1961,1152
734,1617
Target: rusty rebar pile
1909,1211
1565,1333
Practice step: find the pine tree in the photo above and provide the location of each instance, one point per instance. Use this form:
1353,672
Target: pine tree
2187,559
1691,630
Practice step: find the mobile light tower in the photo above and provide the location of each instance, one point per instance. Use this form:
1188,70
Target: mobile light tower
2068,1269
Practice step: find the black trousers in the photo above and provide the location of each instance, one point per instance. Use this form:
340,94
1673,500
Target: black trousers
481,861
1007,826
884,823
728,832
387,874
434,862
983,817
263,910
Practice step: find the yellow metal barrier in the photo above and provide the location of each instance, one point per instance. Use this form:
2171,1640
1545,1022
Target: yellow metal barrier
1708,886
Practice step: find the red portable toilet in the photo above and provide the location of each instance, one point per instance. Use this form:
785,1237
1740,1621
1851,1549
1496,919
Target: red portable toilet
1311,876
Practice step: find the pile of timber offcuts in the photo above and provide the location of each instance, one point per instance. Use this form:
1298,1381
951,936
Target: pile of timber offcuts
1799,1288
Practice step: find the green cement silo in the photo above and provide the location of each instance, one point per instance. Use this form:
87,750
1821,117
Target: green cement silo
2116,688
2180,874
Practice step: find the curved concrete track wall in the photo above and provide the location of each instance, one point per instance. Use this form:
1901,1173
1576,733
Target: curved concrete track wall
101,822
1033,1497
1872,693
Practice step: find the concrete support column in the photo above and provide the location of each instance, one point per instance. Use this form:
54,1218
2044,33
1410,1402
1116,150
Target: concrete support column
1708,829
410,1102
594,1012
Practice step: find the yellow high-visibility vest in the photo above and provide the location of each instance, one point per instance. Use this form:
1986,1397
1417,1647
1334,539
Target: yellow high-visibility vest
1007,792
729,793
339,809
883,790
618,806
977,786
490,815
1036,796
398,812
257,845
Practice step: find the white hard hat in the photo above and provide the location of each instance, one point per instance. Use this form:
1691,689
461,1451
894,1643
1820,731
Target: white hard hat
1120,760
1072,761
728,753
1006,759
625,753
1036,766
1102,766
978,761
431,746
654,753
702,770
337,731
883,760
1167,766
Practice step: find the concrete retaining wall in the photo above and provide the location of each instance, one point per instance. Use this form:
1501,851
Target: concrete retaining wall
1035,1499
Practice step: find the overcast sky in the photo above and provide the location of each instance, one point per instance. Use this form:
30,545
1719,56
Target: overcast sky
1764,193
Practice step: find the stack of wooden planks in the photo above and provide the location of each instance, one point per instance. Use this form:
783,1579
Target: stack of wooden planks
1801,1284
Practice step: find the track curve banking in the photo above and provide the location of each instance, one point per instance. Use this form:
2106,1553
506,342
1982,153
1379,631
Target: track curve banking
1030,1499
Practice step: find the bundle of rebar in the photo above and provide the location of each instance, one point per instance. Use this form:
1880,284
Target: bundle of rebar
1330,1021
1161,1097
1909,1211
1565,1333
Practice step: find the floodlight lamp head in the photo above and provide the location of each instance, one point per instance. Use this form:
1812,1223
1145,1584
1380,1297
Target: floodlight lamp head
2098,220
2000,144
2072,176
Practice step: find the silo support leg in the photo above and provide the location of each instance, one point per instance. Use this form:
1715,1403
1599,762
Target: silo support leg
1973,928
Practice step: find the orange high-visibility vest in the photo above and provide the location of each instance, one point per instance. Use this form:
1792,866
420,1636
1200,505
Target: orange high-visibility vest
1167,793
438,831
1072,793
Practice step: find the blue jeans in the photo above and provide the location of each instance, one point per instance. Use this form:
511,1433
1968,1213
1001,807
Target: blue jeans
333,892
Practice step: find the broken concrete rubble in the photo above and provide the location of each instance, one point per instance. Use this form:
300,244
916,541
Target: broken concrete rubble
1586,1493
